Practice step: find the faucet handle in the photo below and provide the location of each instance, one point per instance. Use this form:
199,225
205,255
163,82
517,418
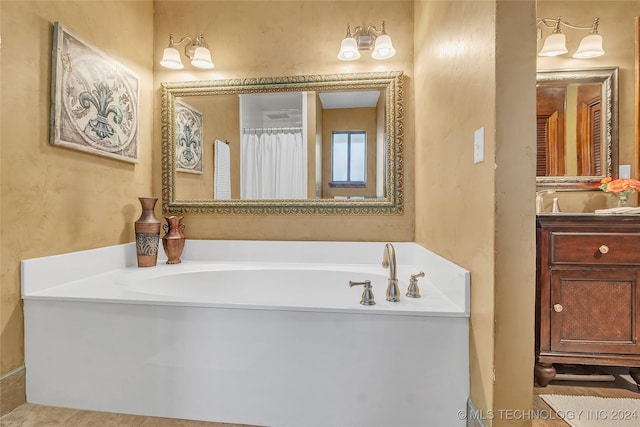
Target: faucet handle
414,291
367,293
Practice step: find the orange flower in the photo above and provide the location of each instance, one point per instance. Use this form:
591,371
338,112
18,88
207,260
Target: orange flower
620,185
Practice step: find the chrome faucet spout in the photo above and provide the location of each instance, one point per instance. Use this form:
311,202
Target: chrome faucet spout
389,261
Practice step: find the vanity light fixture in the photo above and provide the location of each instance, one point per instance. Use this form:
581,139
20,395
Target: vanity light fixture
554,45
369,39
197,50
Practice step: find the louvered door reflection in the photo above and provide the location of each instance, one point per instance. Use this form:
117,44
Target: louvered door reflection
550,114
589,130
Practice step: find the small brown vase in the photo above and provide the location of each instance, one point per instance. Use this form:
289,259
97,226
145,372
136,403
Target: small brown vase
147,229
173,240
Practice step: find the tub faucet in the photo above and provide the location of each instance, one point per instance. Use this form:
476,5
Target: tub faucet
389,261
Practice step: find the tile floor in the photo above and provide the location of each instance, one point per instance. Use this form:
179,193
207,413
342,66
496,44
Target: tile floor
31,415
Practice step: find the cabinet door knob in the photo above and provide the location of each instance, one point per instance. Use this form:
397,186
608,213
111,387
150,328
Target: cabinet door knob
603,249
557,308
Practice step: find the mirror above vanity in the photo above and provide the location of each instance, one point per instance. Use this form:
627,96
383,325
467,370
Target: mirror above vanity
577,127
343,136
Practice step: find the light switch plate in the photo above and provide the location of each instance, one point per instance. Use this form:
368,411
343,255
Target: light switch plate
624,171
478,146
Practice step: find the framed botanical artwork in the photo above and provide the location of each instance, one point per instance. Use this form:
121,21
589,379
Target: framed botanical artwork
189,131
94,100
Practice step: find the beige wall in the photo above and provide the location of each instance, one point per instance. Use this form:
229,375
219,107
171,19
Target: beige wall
617,29
312,113
252,39
57,200
318,148
515,256
481,215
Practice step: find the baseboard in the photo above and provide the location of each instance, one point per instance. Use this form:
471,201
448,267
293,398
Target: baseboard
12,390
474,417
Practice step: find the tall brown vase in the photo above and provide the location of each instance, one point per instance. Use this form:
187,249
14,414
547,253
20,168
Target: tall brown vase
147,229
173,240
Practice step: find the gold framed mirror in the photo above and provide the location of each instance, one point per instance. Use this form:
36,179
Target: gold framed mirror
637,94
577,127
219,110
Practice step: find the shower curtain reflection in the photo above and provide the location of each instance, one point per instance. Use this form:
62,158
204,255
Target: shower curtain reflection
273,164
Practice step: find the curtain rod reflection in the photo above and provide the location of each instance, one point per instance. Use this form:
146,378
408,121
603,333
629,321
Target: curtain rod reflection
255,130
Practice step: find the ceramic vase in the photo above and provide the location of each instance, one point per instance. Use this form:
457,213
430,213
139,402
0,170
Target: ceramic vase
173,240
147,229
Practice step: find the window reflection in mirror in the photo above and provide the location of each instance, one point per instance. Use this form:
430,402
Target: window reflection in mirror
348,158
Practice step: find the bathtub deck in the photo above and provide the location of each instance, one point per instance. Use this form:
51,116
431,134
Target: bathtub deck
114,287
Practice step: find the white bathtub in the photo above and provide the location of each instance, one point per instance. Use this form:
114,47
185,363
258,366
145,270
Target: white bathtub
261,333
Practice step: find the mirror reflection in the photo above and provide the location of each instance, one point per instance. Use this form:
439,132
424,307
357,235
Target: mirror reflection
318,142
576,126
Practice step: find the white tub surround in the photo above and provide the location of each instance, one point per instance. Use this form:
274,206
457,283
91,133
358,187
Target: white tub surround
252,332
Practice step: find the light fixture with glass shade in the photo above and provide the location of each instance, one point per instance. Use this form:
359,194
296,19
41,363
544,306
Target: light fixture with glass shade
196,50
590,45
370,38
554,45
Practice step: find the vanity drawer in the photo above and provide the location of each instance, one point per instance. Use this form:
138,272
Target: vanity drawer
595,248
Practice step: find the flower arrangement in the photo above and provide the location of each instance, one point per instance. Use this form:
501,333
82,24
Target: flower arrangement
620,188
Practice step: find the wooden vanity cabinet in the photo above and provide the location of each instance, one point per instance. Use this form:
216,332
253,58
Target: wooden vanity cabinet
587,292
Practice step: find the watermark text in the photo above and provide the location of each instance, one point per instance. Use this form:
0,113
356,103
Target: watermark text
544,414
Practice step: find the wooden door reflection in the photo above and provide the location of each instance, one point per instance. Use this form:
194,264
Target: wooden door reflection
550,130
569,129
